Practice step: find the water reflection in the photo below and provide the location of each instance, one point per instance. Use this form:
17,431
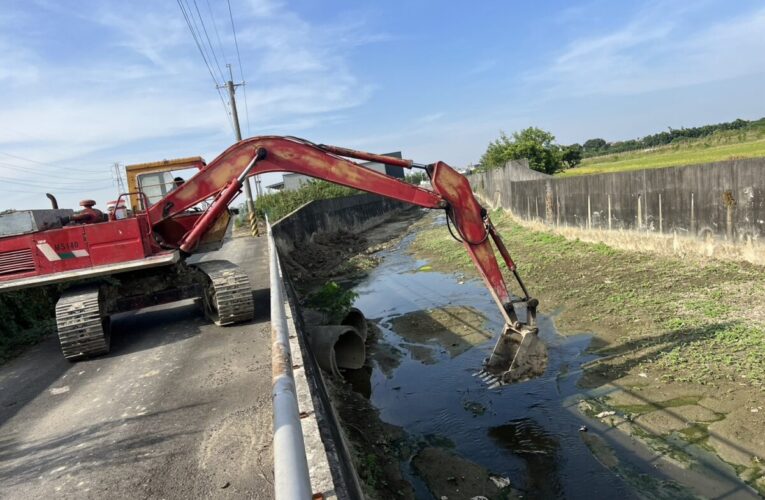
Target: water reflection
539,450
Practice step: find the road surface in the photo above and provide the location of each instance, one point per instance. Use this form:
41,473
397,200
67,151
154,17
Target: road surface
179,409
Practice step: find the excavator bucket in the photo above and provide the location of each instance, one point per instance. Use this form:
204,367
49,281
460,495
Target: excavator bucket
518,355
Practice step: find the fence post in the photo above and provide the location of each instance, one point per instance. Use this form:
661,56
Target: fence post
609,212
661,220
693,217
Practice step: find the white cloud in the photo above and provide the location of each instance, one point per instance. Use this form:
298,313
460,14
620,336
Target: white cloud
18,64
300,68
658,50
136,85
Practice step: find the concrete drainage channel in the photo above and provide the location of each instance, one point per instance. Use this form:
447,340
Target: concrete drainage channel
311,457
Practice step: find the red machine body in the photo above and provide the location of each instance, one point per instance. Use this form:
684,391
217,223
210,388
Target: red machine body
80,246
168,230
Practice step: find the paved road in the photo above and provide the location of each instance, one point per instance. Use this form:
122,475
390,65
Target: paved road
179,409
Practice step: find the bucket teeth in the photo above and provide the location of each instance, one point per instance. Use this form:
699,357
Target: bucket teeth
518,355
491,381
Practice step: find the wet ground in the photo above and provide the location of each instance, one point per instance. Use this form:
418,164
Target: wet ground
434,331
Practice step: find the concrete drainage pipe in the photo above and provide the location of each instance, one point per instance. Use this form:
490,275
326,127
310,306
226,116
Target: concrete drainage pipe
337,346
356,319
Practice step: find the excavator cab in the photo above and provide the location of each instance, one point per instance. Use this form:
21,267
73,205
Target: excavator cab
149,183
155,180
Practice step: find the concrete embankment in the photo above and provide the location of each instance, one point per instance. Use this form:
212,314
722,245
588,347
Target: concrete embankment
716,209
350,213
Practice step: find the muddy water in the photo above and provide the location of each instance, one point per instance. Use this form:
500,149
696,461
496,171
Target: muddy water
422,380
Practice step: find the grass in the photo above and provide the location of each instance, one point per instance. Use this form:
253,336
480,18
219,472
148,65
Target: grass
733,352
727,145
680,319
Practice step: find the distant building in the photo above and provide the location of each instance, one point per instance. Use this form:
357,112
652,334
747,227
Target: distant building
292,182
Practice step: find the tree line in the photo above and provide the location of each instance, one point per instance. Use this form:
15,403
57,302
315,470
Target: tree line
545,155
597,146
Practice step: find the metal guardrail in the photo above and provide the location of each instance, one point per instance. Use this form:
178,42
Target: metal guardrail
291,477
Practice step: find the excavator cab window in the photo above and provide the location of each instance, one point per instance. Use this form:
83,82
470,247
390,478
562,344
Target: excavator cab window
156,185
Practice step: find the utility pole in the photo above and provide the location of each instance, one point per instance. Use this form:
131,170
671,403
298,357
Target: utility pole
231,87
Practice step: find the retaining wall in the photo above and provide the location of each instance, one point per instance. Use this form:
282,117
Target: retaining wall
721,200
352,213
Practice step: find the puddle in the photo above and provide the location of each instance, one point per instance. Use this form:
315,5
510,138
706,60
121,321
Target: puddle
434,330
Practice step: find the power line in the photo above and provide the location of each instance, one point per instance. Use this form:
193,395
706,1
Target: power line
217,35
67,167
209,44
84,183
19,168
65,188
241,70
204,58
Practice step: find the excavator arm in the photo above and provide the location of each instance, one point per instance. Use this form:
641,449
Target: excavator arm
518,354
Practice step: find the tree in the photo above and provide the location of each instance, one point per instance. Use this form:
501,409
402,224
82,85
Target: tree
534,144
595,145
571,156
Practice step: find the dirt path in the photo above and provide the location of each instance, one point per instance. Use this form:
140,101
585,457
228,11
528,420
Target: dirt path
179,409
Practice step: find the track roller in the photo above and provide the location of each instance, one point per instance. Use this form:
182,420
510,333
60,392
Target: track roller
228,295
83,328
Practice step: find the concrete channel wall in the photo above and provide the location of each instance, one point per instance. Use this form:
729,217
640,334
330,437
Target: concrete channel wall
352,213
721,201
331,468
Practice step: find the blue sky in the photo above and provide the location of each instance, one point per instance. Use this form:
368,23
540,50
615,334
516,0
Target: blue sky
88,83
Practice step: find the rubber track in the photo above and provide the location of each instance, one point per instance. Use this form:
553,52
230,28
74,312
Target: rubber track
233,292
80,324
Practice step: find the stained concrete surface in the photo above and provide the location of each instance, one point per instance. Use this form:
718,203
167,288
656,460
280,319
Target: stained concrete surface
179,409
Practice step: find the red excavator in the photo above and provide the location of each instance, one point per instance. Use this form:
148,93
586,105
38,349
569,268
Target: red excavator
124,262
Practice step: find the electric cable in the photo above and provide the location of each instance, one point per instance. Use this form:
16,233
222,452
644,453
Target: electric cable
241,69
209,43
204,58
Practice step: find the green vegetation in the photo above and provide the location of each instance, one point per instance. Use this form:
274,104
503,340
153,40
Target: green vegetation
734,140
598,147
416,177
733,352
332,300
685,320
277,205
27,316
535,145
720,145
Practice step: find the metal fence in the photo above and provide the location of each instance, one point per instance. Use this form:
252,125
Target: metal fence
291,477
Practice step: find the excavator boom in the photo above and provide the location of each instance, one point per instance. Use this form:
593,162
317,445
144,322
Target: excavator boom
39,248
518,354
